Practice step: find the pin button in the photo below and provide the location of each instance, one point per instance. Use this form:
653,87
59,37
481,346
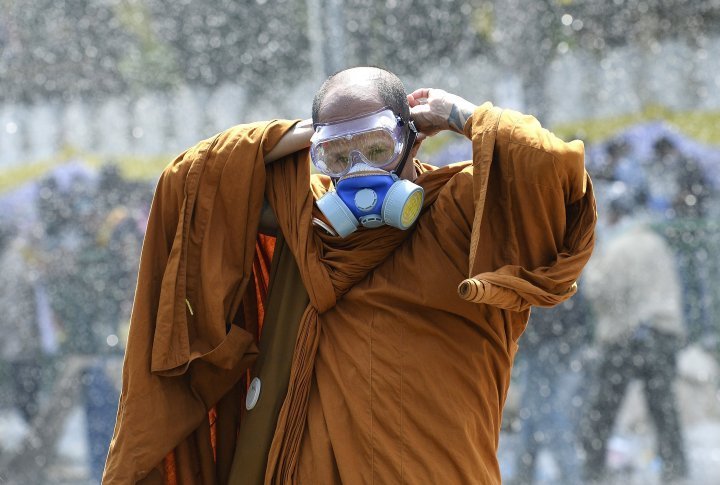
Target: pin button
253,394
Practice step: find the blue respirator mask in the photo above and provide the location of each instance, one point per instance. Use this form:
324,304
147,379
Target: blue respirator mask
355,153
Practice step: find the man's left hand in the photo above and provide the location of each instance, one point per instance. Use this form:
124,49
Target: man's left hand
434,110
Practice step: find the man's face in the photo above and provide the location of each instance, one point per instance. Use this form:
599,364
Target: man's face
378,147
346,102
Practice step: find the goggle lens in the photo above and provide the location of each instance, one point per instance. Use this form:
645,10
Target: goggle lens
377,148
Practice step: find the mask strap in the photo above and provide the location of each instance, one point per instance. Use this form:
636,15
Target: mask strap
412,136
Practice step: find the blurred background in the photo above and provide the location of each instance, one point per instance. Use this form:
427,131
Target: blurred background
97,96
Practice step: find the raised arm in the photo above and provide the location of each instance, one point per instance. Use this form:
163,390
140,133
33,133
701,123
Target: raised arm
294,140
435,110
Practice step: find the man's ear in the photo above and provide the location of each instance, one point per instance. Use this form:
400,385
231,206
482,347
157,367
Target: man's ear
416,146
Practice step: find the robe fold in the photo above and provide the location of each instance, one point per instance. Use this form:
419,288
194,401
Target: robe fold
195,316
403,355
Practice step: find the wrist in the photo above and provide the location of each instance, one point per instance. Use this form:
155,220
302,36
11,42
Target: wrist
460,112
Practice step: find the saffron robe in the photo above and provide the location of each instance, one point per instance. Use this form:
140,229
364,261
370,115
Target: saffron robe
398,379
397,376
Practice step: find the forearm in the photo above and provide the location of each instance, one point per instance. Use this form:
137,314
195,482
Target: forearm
294,140
435,110
460,112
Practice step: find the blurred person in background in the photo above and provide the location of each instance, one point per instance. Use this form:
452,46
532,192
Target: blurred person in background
90,241
619,165
688,229
676,183
694,191
550,356
26,327
634,287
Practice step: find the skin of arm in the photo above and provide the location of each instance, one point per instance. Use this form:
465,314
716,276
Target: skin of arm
293,141
432,110
435,110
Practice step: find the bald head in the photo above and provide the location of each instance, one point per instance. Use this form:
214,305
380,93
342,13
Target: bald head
357,91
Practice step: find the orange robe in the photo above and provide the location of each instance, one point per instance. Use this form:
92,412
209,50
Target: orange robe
196,314
397,377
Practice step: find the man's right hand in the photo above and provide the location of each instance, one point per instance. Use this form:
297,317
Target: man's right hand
434,110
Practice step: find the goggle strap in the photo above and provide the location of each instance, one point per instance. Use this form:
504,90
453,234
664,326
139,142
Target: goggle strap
410,142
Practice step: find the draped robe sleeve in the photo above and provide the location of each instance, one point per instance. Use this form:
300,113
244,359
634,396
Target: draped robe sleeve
191,333
535,213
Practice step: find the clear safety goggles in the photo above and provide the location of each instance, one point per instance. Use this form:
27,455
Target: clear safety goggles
375,139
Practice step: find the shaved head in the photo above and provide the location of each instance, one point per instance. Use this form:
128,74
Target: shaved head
362,90
357,91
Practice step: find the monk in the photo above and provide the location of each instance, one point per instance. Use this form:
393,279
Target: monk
419,283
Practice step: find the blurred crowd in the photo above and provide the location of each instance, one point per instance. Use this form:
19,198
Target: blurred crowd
68,268
649,293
